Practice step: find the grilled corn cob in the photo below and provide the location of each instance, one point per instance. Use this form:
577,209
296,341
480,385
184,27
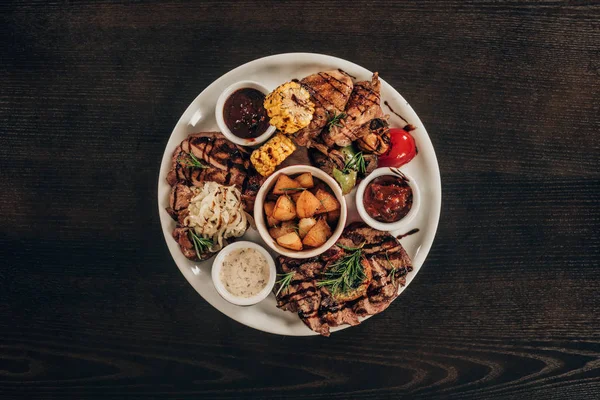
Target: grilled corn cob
289,107
266,158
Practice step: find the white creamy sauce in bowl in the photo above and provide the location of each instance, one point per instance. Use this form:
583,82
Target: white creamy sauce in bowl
244,272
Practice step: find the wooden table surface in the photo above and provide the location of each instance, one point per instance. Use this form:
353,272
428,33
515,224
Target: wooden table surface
506,306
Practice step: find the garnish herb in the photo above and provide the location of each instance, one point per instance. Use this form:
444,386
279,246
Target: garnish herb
192,161
293,189
335,120
200,244
393,270
284,282
356,162
346,274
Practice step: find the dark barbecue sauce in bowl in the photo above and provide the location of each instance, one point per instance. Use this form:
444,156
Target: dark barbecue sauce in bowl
245,114
388,198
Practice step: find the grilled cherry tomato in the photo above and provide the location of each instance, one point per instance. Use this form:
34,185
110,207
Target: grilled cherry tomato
402,149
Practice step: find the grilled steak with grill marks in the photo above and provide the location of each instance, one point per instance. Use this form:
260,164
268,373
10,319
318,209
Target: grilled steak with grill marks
222,162
318,308
362,107
329,92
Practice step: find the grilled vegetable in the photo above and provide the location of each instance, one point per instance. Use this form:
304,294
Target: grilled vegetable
266,158
289,107
347,180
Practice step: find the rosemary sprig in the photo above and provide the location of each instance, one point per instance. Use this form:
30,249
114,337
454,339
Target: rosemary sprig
201,244
356,162
293,189
284,282
346,274
335,120
192,161
393,270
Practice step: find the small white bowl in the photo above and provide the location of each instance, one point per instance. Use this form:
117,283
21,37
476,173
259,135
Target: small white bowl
387,226
218,264
221,121
259,215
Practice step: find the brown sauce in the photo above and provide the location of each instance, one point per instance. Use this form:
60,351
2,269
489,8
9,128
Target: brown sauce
245,114
388,198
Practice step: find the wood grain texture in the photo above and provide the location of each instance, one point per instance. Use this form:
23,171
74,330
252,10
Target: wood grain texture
505,307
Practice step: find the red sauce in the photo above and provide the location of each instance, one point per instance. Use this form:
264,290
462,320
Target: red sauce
245,114
388,198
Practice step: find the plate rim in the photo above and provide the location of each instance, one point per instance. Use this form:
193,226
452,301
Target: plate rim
435,210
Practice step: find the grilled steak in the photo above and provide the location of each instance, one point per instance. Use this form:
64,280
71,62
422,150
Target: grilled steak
329,92
318,308
362,107
222,162
215,159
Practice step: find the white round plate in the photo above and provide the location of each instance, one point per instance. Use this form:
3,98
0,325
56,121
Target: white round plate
271,72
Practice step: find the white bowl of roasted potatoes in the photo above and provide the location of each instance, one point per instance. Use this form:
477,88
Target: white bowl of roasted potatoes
300,211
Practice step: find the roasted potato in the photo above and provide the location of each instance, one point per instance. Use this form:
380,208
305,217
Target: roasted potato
285,209
285,185
333,217
283,229
269,206
307,205
328,201
305,180
304,225
290,241
296,196
318,234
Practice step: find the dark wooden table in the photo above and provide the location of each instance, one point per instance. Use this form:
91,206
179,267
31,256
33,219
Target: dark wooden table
506,306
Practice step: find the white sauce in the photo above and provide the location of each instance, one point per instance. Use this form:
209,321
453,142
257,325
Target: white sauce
244,273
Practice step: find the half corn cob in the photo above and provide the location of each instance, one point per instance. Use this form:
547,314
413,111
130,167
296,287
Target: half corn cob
266,158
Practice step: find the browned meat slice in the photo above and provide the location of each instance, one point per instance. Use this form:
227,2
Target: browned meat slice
374,137
222,162
250,189
179,200
302,294
182,237
362,107
329,92
385,260
214,149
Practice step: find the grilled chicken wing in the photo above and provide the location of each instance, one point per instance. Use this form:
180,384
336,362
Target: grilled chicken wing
329,92
362,107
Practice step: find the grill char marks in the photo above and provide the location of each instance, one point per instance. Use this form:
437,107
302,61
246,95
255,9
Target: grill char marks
317,308
363,106
329,92
224,163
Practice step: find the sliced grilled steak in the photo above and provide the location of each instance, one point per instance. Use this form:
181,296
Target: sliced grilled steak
179,200
329,92
384,256
223,162
181,235
362,107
